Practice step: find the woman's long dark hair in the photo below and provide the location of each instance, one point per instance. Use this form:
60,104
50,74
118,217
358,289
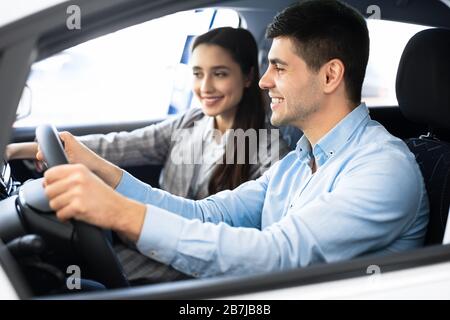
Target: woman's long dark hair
250,113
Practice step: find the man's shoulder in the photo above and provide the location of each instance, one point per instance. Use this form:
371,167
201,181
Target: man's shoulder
378,137
376,145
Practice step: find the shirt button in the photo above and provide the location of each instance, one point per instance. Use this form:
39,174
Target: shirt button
153,253
195,274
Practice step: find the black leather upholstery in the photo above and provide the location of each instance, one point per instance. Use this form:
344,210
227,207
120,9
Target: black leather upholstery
423,93
434,161
423,78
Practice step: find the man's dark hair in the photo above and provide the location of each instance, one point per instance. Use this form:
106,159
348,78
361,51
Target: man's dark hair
323,30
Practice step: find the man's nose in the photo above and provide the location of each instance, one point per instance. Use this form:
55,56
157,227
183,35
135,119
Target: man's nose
266,82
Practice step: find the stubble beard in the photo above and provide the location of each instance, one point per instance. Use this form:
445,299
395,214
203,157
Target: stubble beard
299,116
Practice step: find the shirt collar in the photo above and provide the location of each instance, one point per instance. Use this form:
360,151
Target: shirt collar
335,139
210,132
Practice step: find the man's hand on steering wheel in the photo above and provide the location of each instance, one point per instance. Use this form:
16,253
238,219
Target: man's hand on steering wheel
75,192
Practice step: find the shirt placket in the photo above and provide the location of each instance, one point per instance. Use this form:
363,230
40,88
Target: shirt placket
298,194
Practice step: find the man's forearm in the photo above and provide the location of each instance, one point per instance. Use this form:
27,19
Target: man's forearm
130,218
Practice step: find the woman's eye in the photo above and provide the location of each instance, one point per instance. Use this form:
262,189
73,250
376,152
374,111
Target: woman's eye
221,74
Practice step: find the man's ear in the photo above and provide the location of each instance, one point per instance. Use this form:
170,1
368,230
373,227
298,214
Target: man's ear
333,75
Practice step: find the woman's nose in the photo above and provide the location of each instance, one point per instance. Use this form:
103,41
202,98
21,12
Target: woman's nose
207,85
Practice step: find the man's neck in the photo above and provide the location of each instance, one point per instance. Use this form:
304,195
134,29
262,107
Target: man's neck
325,119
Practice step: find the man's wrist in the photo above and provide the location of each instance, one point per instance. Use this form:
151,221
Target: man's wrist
130,218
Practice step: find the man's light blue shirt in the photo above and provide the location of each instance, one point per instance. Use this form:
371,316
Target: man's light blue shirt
366,197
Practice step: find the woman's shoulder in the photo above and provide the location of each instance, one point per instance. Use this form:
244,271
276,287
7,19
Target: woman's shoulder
189,117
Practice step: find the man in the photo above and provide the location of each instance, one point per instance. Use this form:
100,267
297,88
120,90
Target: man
349,188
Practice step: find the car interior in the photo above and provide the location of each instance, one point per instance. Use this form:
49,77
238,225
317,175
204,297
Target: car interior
41,247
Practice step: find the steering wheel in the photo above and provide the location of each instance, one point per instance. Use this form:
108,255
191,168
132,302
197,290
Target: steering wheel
90,240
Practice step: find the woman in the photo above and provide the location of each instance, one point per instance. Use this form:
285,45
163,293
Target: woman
191,147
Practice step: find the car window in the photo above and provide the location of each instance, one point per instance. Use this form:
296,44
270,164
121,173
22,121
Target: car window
387,41
135,74
18,9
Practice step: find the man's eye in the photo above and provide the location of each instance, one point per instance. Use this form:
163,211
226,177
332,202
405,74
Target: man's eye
196,74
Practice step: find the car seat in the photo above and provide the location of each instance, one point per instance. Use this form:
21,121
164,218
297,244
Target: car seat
423,93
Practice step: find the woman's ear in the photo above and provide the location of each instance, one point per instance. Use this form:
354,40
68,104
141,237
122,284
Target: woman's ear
249,78
334,74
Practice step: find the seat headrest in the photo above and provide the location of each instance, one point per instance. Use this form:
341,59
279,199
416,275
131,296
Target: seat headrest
423,78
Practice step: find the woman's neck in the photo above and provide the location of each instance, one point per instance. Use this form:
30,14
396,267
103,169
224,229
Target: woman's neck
224,121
